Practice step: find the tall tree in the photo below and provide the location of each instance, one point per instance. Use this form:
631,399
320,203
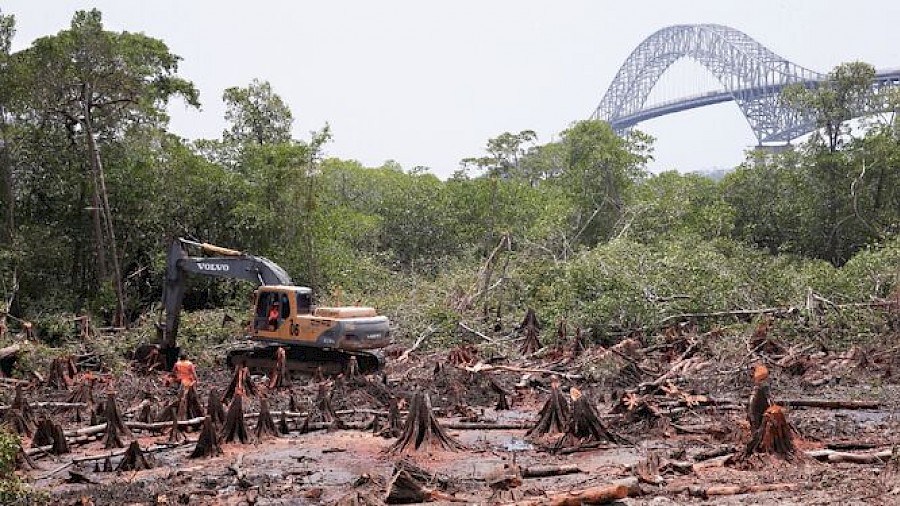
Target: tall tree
257,115
7,85
97,83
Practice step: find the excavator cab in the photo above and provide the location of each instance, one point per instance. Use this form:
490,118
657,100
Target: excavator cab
276,305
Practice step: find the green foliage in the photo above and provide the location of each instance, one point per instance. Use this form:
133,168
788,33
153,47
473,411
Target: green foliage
12,489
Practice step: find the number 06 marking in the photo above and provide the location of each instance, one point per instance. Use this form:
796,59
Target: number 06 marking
295,329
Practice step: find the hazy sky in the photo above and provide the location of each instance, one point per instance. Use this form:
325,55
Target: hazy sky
427,82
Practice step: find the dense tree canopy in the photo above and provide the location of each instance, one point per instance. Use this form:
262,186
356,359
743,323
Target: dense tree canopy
94,186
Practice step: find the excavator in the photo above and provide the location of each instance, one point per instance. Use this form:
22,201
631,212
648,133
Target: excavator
284,315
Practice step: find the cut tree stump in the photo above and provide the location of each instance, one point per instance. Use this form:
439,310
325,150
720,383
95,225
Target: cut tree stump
578,345
283,427
408,485
50,434
554,416
279,376
759,399
189,405
208,442
62,373
23,461
423,429
465,354
115,426
19,417
240,381
323,411
393,426
265,425
502,395
235,427
773,437
134,459
532,343
176,435
214,407
585,425
84,391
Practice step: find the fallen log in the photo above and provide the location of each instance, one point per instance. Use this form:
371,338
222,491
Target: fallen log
835,457
595,495
724,490
828,403
482,367
487,425
544,471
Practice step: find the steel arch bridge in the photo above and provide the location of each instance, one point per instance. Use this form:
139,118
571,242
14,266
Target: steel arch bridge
751,74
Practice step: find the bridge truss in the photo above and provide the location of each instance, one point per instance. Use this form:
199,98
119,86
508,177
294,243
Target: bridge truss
752,76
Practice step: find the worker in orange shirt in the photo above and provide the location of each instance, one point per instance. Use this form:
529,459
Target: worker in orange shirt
274,315
184,372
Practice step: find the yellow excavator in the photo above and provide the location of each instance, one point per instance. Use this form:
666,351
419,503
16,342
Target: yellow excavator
284,315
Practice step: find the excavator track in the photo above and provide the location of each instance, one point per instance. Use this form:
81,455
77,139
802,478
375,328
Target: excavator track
260,357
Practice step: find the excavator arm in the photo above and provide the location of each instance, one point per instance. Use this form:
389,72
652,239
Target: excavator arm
219,262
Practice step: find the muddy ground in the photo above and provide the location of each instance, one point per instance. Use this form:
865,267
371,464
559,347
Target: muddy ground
699,409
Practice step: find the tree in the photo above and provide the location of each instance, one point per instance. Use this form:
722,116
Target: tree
95,84
844,95
599,168
257,115
7,31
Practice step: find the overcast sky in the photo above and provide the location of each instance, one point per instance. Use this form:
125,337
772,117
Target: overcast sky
428,82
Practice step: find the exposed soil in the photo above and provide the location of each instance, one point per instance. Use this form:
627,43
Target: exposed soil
667,426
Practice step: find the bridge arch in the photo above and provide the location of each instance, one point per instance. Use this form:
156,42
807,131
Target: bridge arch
751,74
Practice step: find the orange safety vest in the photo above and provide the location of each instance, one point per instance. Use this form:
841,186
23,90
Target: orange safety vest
185,373
273,315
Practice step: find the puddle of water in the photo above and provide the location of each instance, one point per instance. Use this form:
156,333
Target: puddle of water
516,444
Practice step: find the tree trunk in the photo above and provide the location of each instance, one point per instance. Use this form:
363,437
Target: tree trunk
100,183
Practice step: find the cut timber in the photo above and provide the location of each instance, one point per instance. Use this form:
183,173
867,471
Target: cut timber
829,404
423,429
214,407
594,495
835,457
265,425
208,442
50,434
134,459
235,427
482,367
544,471
773,436
726,490
585,425
115,426
554,416
279,377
